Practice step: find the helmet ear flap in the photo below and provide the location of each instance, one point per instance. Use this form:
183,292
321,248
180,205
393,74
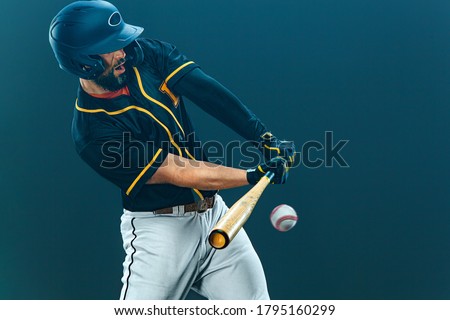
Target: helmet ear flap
92,68
98,67
87,66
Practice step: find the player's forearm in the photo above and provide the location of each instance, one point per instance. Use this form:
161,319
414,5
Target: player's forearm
201,175
207,176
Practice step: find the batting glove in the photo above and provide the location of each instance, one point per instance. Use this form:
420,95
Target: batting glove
278,166
271,147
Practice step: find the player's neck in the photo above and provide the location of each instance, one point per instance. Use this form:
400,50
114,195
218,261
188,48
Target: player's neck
91,87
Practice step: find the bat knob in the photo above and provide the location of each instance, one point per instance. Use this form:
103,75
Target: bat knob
218,240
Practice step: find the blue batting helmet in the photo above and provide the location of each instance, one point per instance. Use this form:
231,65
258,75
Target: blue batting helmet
84,29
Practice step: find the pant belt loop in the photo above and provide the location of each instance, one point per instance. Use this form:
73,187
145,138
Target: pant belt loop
181,210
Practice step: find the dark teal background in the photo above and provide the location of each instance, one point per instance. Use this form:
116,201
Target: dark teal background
376,73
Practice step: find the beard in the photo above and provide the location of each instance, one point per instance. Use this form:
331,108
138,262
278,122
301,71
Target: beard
108,81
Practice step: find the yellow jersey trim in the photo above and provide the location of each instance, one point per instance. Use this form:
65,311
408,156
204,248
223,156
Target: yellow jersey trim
199,194
114,113
141,87
143,172
189,154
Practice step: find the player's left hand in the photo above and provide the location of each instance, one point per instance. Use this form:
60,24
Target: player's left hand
271,147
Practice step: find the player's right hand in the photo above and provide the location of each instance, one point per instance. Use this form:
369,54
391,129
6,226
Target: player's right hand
271,147
278,166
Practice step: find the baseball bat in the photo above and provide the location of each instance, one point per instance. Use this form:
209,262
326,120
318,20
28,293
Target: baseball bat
232,221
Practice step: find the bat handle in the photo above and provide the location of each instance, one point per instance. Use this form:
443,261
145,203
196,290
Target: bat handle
269,175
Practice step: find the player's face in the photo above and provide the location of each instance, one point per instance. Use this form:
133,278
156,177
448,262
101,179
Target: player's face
114,77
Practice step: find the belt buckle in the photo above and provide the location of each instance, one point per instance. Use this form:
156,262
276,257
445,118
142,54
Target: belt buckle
202,205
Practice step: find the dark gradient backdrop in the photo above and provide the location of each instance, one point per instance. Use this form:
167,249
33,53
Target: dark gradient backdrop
373,72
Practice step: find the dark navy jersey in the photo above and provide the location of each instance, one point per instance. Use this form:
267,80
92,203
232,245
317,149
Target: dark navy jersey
125,139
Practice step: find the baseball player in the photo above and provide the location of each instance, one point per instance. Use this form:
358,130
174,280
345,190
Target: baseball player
130,125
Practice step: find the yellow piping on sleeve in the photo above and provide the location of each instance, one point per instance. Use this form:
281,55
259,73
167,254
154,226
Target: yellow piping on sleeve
165,89
177,70
143,172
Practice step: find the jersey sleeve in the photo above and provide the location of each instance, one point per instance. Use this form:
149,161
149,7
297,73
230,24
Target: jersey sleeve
221,103
167,60
124,161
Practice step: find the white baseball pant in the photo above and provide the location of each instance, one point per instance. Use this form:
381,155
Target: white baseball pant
169,254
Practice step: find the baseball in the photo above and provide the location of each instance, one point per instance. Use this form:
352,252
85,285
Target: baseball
283,217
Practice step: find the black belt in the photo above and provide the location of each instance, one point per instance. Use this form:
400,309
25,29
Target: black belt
200,206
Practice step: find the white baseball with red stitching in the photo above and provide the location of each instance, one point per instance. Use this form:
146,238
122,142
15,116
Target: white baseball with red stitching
283,217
